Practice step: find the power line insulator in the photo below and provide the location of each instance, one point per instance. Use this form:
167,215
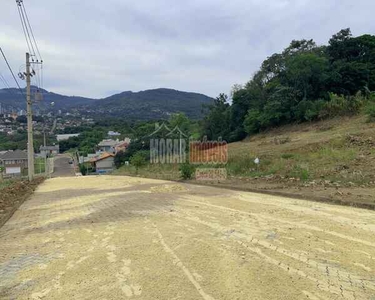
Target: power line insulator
21,76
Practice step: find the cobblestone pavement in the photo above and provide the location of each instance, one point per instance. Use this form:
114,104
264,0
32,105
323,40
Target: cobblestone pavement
129,238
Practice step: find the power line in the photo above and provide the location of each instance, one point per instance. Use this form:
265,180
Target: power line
11,71
28,33
31,43
23,28
7,86
4,81
31,30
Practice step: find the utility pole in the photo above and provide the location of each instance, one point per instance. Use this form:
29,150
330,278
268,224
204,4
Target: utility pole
30,140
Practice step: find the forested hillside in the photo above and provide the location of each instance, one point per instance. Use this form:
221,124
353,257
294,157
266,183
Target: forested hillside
304,82
145,105
13,98
150,105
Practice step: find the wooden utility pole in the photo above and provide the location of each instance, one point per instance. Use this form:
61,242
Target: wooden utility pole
30,140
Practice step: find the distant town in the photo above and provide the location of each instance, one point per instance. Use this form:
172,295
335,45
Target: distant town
50,130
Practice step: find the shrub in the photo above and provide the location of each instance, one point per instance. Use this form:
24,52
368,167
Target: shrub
308,110
301,173
240,164
340,105
370,111
187,170
83,169
138,160
287,156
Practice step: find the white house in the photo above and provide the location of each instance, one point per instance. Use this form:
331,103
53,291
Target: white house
103,164
48,151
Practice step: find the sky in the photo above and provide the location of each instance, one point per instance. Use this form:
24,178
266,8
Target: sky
96,48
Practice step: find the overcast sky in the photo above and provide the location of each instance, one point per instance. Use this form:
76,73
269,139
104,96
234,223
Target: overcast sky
99,47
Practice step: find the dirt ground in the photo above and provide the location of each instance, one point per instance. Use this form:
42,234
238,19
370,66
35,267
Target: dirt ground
129,238
357,196
13,195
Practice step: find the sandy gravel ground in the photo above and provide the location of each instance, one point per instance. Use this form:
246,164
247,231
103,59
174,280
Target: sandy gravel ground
127,238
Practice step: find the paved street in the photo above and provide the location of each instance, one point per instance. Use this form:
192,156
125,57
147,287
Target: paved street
62,168
127,238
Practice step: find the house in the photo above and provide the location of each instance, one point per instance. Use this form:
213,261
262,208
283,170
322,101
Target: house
112,146
108,145
48,151
103,164
122,146
14,162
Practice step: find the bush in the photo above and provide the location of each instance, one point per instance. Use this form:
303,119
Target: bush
308,110
340,105
138,160
187,170
302,173
83,169
370,111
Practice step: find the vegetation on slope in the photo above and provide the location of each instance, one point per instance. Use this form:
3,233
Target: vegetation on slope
303,83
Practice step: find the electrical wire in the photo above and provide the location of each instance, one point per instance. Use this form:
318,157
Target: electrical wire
28,33
37,71
23,28
7,86
5,82
31,30
11,71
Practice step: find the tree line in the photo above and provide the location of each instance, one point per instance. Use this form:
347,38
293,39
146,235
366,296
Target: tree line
304,82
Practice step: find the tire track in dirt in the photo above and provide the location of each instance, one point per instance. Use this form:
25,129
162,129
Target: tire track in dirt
295,224
343,289
179,263
339,282
311,210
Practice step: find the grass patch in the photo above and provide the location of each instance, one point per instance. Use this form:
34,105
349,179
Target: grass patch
5,183
330,154
40,166
299,172
287,156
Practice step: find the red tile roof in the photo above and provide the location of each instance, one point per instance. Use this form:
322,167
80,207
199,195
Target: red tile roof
102,156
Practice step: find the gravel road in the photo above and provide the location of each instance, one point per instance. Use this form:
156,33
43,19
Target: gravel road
128,238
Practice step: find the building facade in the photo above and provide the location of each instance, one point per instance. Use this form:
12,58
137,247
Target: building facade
14,162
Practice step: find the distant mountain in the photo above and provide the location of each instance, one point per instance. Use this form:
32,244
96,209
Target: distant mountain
14,98
151,104
144,105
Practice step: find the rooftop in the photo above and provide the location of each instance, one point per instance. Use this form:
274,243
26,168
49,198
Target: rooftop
16,154
55,147
101,157
111,143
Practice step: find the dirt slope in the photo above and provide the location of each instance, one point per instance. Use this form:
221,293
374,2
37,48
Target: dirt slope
334,159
